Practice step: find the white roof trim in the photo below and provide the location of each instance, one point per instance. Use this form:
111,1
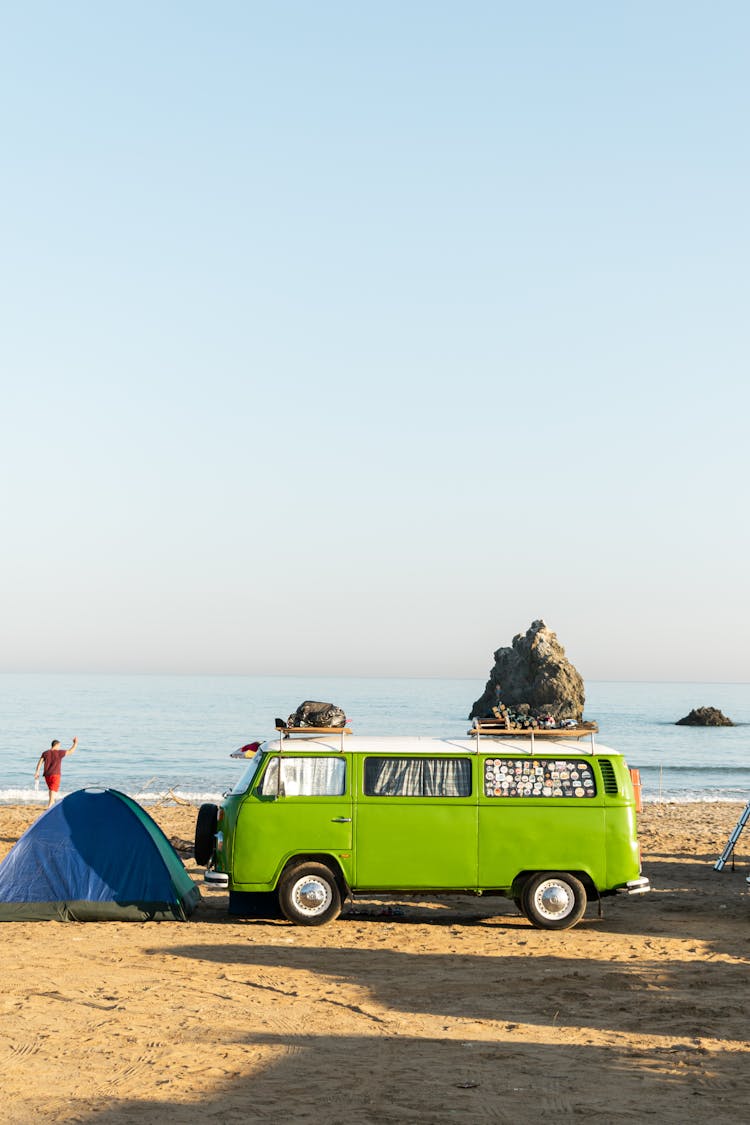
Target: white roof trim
427,745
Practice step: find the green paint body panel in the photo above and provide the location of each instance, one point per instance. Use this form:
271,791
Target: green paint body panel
520,836
475,843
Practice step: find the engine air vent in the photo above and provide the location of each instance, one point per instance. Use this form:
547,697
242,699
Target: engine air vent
608,777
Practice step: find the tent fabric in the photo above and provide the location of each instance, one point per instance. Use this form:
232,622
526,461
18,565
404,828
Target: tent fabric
97,855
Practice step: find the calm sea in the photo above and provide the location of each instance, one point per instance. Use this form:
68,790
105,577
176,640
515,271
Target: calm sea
147,735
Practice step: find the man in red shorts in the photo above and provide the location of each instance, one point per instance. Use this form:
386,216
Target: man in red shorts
52,761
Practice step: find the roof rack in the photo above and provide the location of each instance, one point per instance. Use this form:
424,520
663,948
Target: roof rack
497,728
312,732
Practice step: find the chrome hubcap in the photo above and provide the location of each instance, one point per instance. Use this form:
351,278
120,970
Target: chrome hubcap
311,896
553,899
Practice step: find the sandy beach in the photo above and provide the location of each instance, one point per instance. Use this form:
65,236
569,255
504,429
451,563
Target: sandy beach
451,1010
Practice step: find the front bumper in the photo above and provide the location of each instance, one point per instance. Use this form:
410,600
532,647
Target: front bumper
216,879
634,887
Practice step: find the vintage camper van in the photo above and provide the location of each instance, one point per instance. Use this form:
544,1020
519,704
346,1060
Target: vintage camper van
320,816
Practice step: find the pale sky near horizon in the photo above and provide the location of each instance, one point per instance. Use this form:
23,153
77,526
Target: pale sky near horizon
351,338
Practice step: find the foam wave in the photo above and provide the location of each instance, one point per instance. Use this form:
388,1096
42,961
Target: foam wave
148,797
193,798
23,796
740,771
695,799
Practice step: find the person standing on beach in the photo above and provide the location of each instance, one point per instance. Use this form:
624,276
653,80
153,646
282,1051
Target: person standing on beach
51,760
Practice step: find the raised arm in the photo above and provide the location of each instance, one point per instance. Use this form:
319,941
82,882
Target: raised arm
72,748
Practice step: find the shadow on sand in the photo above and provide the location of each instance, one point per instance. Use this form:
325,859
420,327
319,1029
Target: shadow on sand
492,1036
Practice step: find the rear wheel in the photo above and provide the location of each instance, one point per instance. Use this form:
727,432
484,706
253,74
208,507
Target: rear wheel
553,900
205,833
309,894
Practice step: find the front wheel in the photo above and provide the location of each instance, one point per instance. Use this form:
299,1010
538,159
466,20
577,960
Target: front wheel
553,900
309,895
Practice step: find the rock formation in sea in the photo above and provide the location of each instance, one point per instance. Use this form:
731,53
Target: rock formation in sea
533,675
705,717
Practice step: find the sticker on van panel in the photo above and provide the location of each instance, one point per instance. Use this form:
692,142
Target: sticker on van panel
520,777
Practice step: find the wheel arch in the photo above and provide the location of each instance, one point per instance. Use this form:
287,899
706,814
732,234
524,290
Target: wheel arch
522,878
326,859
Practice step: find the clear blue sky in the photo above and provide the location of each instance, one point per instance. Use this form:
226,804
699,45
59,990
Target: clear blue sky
351,338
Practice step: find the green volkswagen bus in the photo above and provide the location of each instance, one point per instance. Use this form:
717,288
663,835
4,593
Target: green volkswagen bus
319,817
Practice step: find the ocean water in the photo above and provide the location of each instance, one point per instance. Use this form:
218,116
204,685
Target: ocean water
149,735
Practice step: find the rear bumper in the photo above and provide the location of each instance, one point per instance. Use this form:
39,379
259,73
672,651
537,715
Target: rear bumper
216,879
634,887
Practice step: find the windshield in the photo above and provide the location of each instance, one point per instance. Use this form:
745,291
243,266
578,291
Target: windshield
248,773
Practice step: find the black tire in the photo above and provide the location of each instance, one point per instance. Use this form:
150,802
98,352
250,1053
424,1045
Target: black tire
553,900
309,894
205,833
519,903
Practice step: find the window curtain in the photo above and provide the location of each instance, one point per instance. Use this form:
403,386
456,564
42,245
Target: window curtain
447,777
307,777
393,777
417,777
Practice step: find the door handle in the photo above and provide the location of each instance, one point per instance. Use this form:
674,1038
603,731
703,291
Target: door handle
341,820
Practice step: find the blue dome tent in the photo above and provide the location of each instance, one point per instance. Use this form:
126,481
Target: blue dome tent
95,856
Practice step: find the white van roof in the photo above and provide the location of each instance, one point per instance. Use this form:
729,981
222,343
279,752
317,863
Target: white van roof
429,746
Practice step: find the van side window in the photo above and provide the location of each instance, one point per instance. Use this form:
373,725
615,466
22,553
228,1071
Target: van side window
524,777
417,777
305,777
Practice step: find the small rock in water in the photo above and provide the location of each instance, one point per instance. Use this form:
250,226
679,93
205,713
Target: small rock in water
705,717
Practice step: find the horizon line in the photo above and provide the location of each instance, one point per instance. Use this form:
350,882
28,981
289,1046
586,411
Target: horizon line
339,676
